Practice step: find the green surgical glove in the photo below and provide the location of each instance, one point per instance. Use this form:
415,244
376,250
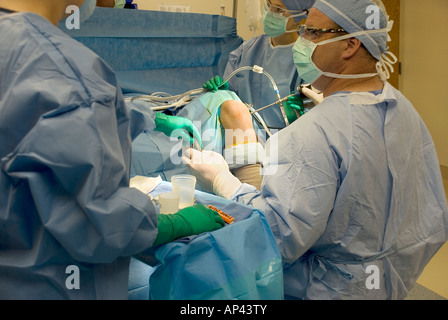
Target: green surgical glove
120,3
189,221
216,83
293,103
182,127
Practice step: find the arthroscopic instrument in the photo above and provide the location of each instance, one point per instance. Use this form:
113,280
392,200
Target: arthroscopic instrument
272,104
299,89
196,145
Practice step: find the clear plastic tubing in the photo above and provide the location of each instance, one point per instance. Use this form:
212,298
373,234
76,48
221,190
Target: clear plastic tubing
255,68
260,70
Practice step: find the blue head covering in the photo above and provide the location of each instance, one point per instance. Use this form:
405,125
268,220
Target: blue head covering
87,9
358,15
298,5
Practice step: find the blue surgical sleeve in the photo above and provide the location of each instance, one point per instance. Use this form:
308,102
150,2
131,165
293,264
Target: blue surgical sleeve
298,191
74,165
141,118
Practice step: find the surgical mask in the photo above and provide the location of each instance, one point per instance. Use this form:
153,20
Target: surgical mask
274,24
86,10
303,51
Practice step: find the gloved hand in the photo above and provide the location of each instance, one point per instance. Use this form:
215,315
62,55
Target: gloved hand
293,103
216,83
205,166
189,221
182,127
313,95
211,171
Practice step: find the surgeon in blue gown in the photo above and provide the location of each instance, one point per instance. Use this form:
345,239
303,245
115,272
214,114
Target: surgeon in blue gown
69,222
352,190
273,52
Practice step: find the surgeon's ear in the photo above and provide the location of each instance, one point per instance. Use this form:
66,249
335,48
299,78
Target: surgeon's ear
352,47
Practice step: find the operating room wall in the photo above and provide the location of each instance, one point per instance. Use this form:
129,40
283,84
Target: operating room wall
211,7
423,54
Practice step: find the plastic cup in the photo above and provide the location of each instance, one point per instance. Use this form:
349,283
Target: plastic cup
168,202
184,185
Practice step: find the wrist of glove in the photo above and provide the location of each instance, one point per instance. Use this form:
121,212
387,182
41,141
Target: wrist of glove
180,127
225,184
216,83
294,108
189,221
313,95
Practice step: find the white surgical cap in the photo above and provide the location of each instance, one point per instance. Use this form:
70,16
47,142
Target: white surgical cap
298,5
357,15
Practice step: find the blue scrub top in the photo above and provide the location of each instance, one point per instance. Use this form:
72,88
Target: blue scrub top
65,156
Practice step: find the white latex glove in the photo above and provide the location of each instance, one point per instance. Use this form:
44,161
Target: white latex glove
313,95
212,172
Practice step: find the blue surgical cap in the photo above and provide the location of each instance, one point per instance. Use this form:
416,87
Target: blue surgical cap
355,16
298,5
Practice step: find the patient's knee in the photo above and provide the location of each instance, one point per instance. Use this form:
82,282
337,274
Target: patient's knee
237,122
235,115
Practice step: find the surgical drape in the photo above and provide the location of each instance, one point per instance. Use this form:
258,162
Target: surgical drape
153,51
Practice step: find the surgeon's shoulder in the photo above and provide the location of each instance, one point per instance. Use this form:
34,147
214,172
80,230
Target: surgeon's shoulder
75,62
332,114
256,43
332,107
250,47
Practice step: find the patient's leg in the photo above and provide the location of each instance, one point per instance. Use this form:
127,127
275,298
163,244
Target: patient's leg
241,144
237,121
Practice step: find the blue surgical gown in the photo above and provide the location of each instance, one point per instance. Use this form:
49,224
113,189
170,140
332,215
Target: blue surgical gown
256,89
354,196
65,150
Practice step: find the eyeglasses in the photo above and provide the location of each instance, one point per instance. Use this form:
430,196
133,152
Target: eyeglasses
281,10
311,33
